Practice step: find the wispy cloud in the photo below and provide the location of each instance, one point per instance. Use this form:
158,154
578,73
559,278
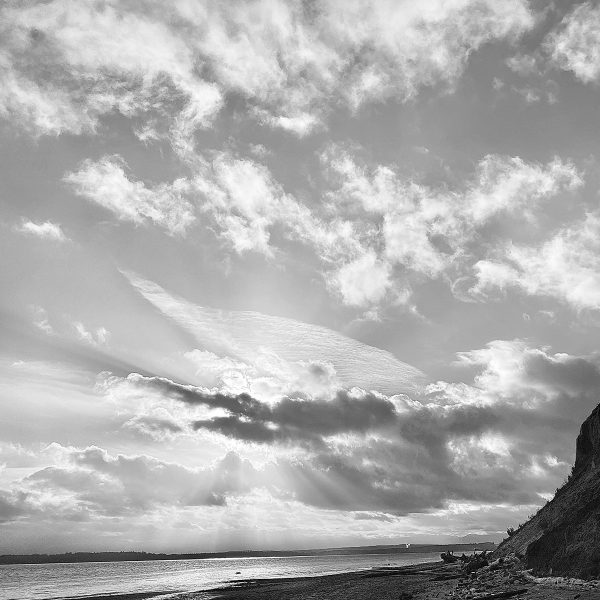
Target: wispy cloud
45,230
97,337
242,335
106,183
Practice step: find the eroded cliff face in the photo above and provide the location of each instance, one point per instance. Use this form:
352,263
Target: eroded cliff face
588,443
563,538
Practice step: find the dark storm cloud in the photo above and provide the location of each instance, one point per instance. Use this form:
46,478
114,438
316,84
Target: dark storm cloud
572,375
240,403
290,419
506,439
304,419
400,479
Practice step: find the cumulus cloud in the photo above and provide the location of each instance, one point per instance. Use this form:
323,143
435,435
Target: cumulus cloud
565,266
575,44
377,219
505,438
363,281
90,481
514,424
66,66
246,202
46,230
512,370
438,231
380,219
105,182
248,205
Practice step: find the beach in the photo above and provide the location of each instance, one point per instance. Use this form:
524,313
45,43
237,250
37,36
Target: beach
420,582
427,581
134,579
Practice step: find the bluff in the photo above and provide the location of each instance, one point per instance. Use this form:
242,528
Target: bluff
563,537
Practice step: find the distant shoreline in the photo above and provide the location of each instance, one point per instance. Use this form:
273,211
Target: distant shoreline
77,557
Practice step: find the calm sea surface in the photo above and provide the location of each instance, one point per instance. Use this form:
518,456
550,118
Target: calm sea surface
35,582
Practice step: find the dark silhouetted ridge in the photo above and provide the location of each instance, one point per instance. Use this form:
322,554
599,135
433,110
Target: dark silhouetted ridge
563,538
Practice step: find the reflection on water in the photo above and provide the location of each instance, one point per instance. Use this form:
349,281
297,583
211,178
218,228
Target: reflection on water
35,582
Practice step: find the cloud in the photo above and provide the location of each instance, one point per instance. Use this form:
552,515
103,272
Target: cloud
68,65
438,231
575,44
523,65
364,281
41,320
99,337
245,201
157,428
376,219
16,455
290,419
45,231
248,205
564,267
89,482
171,71
513,370
290,59
106,183
507,437
242,335
267,377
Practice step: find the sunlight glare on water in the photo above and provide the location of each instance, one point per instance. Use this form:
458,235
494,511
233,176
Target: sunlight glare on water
37,582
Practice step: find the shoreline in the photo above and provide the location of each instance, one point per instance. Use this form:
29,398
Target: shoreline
238,588
126,556
424,581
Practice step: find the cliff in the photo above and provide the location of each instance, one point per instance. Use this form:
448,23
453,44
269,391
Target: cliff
563,538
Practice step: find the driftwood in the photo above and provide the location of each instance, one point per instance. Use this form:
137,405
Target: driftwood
475,562
448,557
498,595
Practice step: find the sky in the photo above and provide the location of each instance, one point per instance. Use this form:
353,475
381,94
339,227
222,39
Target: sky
292,274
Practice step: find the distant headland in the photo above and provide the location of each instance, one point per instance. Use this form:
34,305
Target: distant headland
73,557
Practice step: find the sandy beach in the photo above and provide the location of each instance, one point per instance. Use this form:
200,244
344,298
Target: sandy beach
421,582
417,582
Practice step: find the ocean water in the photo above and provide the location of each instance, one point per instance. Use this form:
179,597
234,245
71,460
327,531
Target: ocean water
75,580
